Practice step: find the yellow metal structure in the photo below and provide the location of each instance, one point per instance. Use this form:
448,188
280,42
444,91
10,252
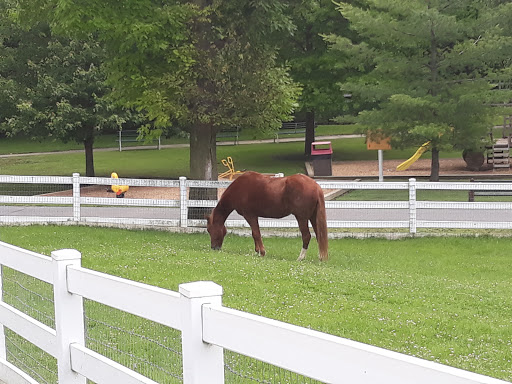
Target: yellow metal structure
228,162
407,163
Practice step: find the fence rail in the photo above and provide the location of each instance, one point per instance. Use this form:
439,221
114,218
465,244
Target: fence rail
22,207
133,136
207,327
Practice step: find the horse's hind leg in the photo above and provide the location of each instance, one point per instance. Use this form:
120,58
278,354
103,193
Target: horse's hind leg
306,237
256,235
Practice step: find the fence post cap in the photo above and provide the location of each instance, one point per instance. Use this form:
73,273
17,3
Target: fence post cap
200,289
66,254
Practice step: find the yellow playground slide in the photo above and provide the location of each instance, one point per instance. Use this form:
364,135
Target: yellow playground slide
407,163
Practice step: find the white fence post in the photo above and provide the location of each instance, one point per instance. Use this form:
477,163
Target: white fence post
120,141
69,315
3,347
202,362
381,164
183,203
76,197
412,206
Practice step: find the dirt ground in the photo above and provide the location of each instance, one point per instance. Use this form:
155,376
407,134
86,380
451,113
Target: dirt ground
448,167
421,167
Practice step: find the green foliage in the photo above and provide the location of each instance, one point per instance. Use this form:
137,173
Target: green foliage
54,86
318,69
428,68
184,63
66,100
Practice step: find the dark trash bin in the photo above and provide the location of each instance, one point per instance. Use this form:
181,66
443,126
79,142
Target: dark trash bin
321,153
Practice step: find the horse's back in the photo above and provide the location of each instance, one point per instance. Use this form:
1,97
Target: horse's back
303,194
259,195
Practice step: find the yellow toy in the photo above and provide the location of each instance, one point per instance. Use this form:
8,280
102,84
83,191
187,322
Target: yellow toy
407,163
118,189
231,168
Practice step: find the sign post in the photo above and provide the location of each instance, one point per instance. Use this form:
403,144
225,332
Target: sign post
377,141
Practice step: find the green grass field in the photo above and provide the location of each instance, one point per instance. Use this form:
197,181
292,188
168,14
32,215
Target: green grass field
442,299
174,162
25,145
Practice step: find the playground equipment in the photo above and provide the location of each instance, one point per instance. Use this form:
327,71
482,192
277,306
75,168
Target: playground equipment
407,163
118,189
228,162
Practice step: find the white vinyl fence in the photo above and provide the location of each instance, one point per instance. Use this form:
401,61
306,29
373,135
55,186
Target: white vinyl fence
207,328
39,206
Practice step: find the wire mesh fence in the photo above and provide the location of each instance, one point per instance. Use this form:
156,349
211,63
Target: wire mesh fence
34,298
32,360
146,347
240,369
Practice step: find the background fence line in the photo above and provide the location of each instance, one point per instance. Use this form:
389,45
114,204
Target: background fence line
207,327
19,206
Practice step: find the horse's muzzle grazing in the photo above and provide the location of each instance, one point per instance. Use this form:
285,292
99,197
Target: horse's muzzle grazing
216,247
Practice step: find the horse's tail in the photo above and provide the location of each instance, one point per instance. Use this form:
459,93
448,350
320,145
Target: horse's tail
321,227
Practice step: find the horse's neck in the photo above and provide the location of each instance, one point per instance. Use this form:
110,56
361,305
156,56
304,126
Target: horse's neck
222,211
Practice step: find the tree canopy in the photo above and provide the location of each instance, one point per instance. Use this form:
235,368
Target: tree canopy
201,64
427,67
313,65
54,86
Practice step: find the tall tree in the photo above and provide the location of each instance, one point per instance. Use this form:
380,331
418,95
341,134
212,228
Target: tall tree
202,64
318,69
430,67
55,87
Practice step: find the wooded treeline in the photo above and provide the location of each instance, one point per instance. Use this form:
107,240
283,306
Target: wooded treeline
417,71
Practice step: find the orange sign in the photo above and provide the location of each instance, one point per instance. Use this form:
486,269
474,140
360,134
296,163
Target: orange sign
377,141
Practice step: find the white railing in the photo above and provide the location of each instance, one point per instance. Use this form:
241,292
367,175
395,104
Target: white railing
206,327
410,214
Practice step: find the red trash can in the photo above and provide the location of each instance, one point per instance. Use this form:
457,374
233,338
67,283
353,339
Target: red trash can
321,153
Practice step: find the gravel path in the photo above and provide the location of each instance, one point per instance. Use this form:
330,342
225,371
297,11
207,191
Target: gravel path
419,168
346,169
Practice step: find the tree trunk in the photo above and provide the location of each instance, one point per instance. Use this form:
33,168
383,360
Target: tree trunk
203,166
310,133
89,158
434,167
203,152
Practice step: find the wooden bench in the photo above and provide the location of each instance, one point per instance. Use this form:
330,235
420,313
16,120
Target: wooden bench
131,136
290,128
489,192
229,133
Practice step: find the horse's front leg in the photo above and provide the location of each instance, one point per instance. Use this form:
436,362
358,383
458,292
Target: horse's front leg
256,235
306,237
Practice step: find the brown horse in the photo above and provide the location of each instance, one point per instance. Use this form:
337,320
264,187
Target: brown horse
255,195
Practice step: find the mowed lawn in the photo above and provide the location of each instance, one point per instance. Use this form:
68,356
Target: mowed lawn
443,299
171,163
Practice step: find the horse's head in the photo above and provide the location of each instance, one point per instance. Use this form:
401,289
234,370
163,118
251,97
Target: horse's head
217,232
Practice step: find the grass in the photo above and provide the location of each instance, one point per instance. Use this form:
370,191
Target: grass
174,162
441,299
25,145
